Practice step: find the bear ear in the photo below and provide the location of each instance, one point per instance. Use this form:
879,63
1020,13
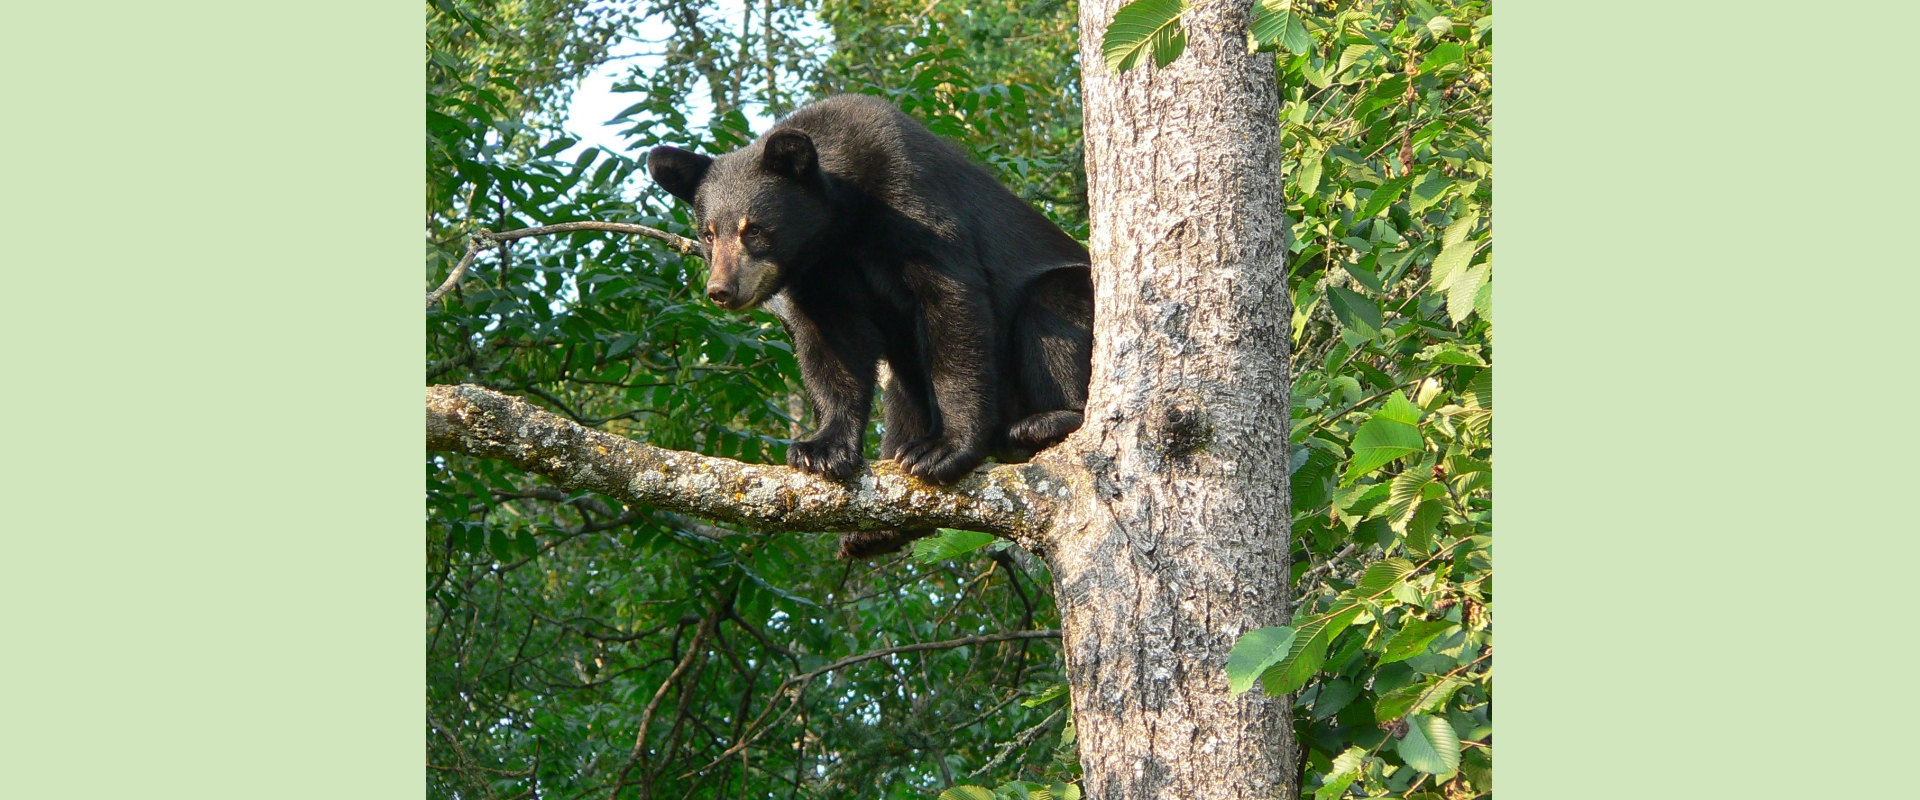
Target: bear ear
789,154
678,171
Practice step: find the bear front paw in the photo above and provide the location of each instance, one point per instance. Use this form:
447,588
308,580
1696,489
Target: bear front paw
938,459
832,459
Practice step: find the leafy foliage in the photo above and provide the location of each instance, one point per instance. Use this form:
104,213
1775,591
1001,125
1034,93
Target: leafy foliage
1387,111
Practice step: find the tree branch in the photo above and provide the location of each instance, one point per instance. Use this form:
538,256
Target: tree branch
484,238
1020,743
1012,500
915,648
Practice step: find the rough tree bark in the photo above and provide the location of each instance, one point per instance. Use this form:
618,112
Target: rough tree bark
1180,543
1165,518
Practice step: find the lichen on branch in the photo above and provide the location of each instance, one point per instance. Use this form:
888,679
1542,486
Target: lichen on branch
1012,500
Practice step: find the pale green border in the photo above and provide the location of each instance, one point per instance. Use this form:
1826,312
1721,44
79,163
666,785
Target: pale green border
212,288
1707,367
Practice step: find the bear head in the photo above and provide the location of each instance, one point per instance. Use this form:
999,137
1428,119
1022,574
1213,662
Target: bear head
761,211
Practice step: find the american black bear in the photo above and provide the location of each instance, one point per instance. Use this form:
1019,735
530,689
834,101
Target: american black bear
875,240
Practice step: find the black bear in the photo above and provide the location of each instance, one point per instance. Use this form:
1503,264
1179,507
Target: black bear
874,240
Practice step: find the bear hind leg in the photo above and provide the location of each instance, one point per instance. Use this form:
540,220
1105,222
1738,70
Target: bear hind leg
1043,430
1054,355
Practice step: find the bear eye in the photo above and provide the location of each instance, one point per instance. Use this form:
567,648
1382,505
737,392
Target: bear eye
751,231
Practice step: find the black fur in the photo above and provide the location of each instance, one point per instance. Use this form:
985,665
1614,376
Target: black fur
874,240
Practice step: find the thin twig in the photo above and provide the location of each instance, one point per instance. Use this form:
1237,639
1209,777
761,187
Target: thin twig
1306,578
682,244
1020,742
914,648
1330,418
459,271
483,238
798,683
990,712
646,717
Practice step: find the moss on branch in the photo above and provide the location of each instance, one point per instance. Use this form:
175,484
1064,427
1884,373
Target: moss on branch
1013,500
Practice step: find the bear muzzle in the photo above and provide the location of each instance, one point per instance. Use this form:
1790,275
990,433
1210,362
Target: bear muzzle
743,284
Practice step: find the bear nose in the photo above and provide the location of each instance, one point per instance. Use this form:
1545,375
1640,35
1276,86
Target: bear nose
720,295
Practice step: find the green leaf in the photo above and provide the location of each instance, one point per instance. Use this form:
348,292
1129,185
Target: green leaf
1399,409
1142,26
1403,494
1381,576
1064,791
1347,768
1432,186
1378,442
1406,593
1334,695
1416,698
1446,53
1479,393
1439,26
1355,312
1314,76
1458,230
1308,653
1452,260
1275,21
500,545
1413,638
967,793
949,544
1353,54
1051,694
1350,762
1360,499
1383,197
1257,650
1309,176
1309,479
1430,745
1450,353
1364,276
1465,289
1336,786
1024,790
1418,529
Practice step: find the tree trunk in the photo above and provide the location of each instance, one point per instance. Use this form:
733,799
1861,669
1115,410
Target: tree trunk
1178,542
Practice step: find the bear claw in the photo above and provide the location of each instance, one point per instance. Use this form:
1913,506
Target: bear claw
826,458
938,459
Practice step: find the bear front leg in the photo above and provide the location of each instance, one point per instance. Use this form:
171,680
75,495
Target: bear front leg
958,352
838,370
